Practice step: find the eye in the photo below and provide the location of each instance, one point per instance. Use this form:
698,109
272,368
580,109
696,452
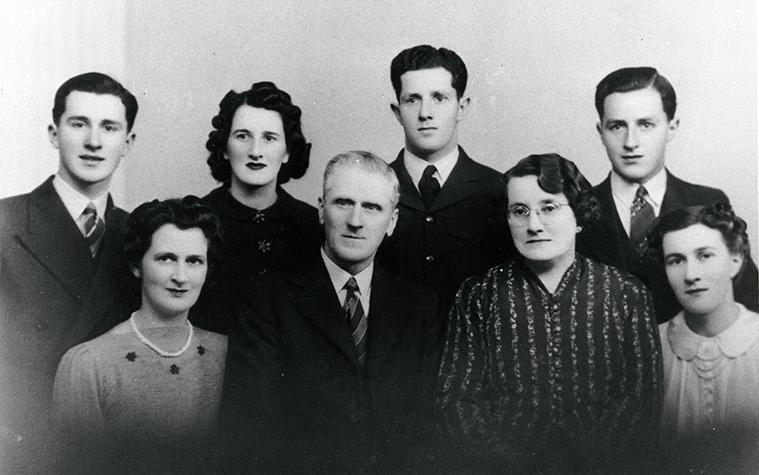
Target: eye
674,260
648,125
241,135
705,255
549,208
165,258
409,100
195,260
342,202
110,128
78,124
372,207
270,138
615,127
441,98
519,211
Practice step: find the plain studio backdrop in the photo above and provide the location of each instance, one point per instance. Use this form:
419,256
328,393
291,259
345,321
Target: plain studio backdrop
533,67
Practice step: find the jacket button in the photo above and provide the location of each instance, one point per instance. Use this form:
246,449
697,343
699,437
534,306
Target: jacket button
41,326
430,259
429,219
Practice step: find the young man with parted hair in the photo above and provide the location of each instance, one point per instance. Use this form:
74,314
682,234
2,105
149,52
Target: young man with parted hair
450,223
636,108
61,274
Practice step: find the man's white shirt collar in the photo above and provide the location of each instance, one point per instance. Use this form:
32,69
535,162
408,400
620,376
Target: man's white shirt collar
624,191
415,166
76,202
339,277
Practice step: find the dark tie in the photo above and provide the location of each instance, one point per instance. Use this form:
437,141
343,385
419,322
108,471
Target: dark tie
94,227
641,216
357,320
429,186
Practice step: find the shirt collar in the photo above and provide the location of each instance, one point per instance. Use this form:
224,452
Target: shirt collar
625,190
339,277
733,342
415,166
76,202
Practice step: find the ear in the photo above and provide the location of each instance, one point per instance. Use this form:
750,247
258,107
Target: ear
579,229
393,222
736,264
136,272
672,127
321,211
463,108
599,128
52,135
287,158
129,143
397,111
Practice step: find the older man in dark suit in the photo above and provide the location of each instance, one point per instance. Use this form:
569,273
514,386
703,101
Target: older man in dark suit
636,109
60,260
343,352
450,224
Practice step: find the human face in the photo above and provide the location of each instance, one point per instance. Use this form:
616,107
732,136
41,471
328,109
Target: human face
635,131
91,137
700,268
429,111
173,270
256,147
357,212
551,242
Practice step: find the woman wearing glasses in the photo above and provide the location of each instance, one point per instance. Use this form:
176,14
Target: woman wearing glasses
551,360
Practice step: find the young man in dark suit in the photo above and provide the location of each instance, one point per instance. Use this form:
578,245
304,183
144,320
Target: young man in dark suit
636,109
343,353
450,223
60,259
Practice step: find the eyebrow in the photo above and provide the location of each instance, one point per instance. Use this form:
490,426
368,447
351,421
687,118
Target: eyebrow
271,132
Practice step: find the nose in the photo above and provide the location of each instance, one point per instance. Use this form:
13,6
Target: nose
93,140
355,218
631,139
179,276
692,272
425,110
255,148
534,224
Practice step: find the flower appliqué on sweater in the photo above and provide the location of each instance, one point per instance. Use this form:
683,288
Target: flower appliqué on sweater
174,369
201,350
131,356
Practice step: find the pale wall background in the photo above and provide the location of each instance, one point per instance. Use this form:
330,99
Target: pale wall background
533,69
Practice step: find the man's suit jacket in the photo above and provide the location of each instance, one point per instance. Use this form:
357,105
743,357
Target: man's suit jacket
462,234
606,241
296,361
53,295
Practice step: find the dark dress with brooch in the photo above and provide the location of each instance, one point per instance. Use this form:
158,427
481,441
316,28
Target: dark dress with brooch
256,243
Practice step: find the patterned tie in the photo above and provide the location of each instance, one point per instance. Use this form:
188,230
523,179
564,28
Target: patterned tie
429,187
354,312
93,228
641,216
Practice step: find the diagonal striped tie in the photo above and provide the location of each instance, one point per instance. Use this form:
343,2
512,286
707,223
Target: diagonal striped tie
357,319
641,216
94,227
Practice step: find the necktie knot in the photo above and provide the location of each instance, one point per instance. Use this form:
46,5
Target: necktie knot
93,227
429,187
351,285
430,171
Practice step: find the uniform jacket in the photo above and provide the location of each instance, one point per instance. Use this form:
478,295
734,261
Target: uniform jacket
462,234
296,360
53,295
606,241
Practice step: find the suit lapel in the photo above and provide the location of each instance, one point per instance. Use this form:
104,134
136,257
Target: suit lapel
609,240
387,314
410,195
673,198
55,241
316,300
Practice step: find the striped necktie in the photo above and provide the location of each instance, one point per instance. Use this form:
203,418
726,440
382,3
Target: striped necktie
93,227
641,216
357,319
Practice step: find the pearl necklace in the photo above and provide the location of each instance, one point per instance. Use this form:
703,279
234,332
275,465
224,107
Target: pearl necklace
165,354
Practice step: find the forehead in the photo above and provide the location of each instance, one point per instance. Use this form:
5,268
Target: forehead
256,118
352,181
691,238
634,104
423,80
95,106
169,238
526,190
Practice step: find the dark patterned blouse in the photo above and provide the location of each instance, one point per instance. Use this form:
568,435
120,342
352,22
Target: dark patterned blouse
529,377
256,243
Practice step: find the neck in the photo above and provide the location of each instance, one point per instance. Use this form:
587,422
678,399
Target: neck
550,272
715,322
435,156
256,197
90,190
147,317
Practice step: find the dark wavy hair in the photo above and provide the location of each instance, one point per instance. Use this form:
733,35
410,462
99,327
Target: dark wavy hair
96,83
264,95
184,213
428,57
719,216
556,174
633,79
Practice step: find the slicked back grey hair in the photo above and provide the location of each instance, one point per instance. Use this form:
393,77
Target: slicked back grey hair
366,161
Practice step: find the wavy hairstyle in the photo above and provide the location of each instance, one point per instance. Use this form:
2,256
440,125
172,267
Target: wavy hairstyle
633,79
556,174
428,57
96,83
264,95
184,213
718,216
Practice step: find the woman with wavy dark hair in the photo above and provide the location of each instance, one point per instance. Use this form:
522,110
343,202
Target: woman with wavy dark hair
257,145
711,348
551,361
145,395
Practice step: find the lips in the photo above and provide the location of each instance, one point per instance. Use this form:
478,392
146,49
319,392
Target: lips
631,157
177,292
536,241
426,129
695,291
255,165
92,158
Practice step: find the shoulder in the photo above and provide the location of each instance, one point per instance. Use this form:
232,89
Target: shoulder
477,169
696,193
300,209
400,286
214,197
618,282
213,339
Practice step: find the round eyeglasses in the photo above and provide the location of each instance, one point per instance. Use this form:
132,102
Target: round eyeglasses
519,215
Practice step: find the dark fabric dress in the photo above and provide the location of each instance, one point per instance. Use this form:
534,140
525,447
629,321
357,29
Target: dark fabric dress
256,243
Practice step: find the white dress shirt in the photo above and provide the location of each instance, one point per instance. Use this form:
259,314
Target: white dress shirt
415,166
76,202
624,191
339,277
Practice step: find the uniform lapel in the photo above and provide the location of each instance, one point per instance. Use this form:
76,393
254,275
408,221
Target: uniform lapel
387,314
410,195
53,238
316,300
461,183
